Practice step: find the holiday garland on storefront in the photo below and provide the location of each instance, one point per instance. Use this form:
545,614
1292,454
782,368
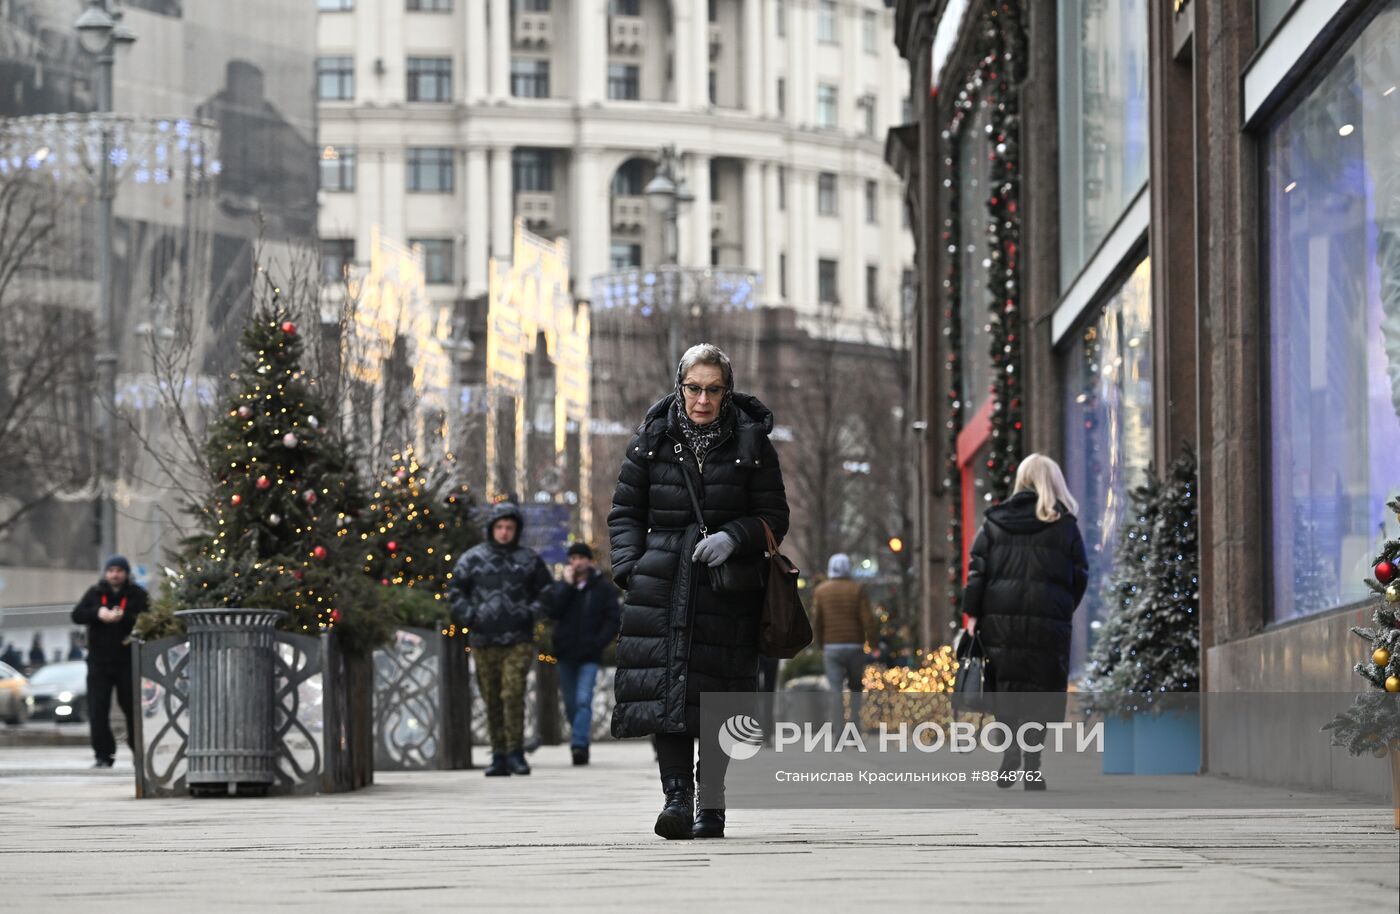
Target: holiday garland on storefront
998,43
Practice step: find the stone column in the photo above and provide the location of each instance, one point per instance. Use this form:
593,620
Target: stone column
500,48
752,41
476,44
591,229
695,246
752,204
477,222
502,204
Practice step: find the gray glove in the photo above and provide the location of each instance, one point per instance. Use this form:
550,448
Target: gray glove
714,549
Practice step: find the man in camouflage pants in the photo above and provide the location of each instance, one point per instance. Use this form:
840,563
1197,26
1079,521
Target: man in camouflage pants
498,591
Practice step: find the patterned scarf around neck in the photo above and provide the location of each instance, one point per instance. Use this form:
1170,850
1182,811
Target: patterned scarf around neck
700,438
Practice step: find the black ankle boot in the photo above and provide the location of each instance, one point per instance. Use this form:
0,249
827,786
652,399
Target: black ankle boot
1010,764
1034,779
675,820
498,767
709,823
516,762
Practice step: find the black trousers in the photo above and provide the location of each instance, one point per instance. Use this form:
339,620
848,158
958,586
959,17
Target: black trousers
675,756
102,678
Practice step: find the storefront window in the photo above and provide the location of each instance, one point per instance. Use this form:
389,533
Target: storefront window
1331,247
1103,121
974,176
1108,434
1268,14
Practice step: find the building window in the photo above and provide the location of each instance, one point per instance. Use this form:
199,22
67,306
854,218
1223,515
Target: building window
868,107
1331,257
906,111
429,6
532,171
826,282
826,194
782,187
437,258
872,202
337,255
780,17
826,105
1103,121
1108,434
338,169
624,7
624,82
872,287
826,22
870,31
430,79
1268,16
782,274
714,170
714,12
782,96
714,88
430,170
627,180
529,78
335,6
626,255
335,79
974,181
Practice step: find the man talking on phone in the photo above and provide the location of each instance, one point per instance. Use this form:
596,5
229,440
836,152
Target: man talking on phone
109,610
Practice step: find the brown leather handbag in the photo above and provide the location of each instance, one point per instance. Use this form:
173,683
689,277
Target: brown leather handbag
783,627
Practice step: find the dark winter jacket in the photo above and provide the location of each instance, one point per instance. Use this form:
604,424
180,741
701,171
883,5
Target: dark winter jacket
499,591
1025,580
105,639
679,638
586,618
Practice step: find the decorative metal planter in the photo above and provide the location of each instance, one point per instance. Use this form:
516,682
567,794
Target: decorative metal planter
320,706
231,740
422,703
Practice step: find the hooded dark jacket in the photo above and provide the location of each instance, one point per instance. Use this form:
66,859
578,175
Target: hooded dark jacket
1025,579
586,618
679,638
499,591
106,639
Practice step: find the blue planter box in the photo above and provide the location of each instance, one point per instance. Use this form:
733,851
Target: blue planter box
1147,744
1118,745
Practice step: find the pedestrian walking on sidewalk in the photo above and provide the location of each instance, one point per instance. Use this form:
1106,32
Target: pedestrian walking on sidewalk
109,610
842,625
680,637
499,589
587,612
1027,574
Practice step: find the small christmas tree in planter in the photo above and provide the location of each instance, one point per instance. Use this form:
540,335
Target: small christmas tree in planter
280,530
1150,647
1373,723
418,524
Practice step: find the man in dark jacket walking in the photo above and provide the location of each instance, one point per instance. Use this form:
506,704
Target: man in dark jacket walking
587,613
498,590
109,610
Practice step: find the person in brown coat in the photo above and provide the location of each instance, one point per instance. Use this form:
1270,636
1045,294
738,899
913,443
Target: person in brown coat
842,625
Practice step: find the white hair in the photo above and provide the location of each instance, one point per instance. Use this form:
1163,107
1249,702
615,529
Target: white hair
706,354
1041,475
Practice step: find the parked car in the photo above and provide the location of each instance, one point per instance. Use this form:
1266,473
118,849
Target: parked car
13,708
58,692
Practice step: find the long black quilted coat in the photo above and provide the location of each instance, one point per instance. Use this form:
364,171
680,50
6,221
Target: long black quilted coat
679,638
1024,581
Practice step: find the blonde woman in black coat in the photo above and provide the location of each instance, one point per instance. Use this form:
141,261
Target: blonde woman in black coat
679,637
1027,574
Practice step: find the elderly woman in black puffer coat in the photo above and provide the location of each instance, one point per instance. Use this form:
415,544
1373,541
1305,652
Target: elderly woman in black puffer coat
679,636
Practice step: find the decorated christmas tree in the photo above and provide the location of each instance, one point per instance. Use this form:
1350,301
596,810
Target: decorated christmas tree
419,522
1151,643
280,521
1373,723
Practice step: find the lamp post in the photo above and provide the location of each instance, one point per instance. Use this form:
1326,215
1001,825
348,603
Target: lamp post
100,32
667,192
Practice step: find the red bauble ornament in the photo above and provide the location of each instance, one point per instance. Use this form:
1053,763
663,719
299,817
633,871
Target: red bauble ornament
297,574
289,328
264,483
384,581
310,498
236,500
1385,572
320,552
392,546
335,617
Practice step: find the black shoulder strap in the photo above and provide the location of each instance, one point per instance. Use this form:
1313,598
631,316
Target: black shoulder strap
694,499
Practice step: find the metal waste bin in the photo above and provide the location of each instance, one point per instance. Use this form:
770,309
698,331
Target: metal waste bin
230,700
